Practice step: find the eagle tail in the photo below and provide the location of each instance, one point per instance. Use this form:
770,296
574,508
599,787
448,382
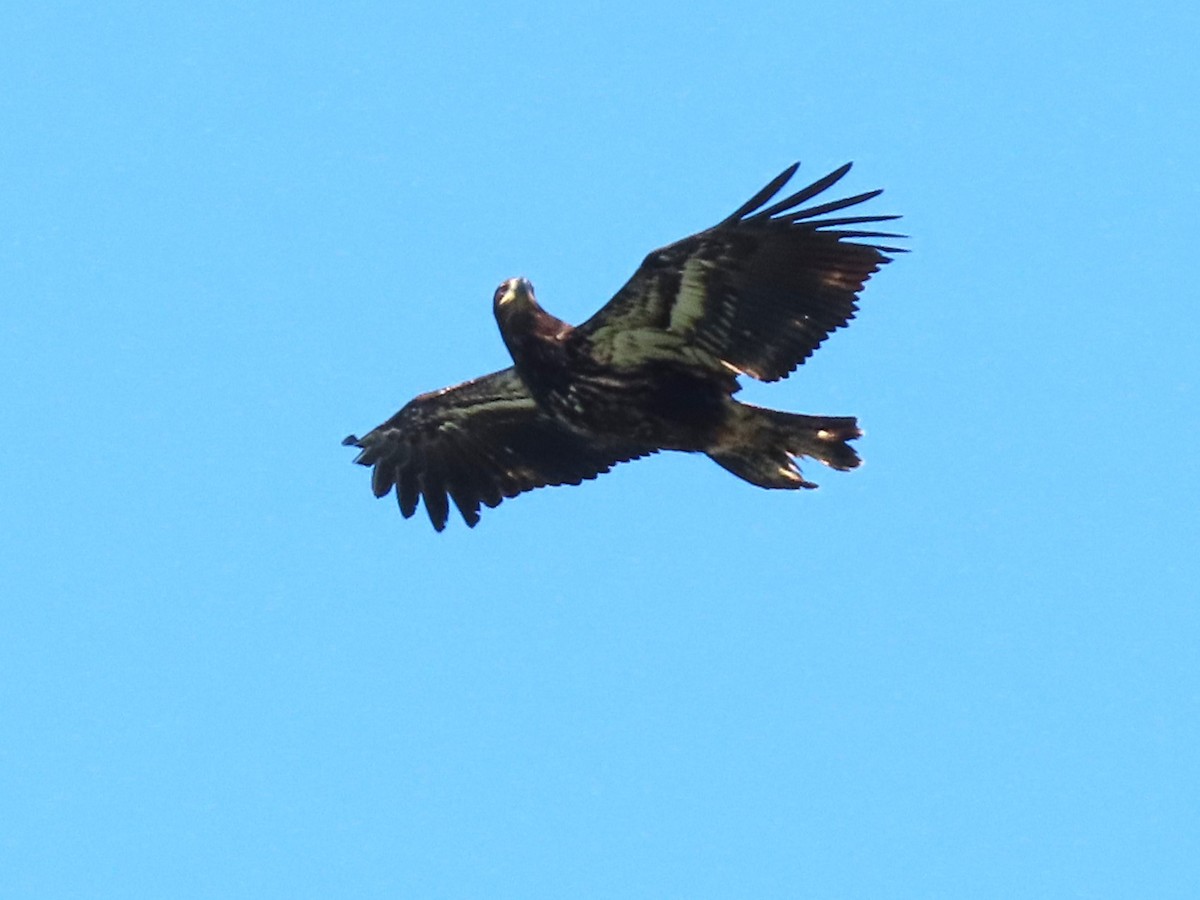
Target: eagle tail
762,445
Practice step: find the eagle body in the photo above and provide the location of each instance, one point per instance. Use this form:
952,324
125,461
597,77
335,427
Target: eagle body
655,369
660,403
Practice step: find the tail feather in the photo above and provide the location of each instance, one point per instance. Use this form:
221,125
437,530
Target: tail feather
762,445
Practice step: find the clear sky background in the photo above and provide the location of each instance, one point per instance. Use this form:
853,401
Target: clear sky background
232,233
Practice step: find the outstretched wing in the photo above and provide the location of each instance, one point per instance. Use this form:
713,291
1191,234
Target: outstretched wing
759,291
478,442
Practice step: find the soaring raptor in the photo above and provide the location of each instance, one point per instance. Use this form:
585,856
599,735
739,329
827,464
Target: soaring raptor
655,369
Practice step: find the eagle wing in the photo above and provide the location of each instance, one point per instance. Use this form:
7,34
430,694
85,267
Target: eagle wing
478,442
759,291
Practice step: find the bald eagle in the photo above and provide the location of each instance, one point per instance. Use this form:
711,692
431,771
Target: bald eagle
655,369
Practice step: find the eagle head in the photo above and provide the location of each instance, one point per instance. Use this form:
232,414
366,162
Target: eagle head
523,323
514,295
517,311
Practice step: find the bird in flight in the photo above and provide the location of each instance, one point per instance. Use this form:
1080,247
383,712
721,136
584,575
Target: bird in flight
654,369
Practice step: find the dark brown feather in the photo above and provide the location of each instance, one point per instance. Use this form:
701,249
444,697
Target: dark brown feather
479,442
759,291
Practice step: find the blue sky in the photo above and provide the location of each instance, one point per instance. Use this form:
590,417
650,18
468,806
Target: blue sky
229,236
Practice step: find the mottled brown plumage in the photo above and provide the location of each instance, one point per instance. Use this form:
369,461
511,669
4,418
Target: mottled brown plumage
655,369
